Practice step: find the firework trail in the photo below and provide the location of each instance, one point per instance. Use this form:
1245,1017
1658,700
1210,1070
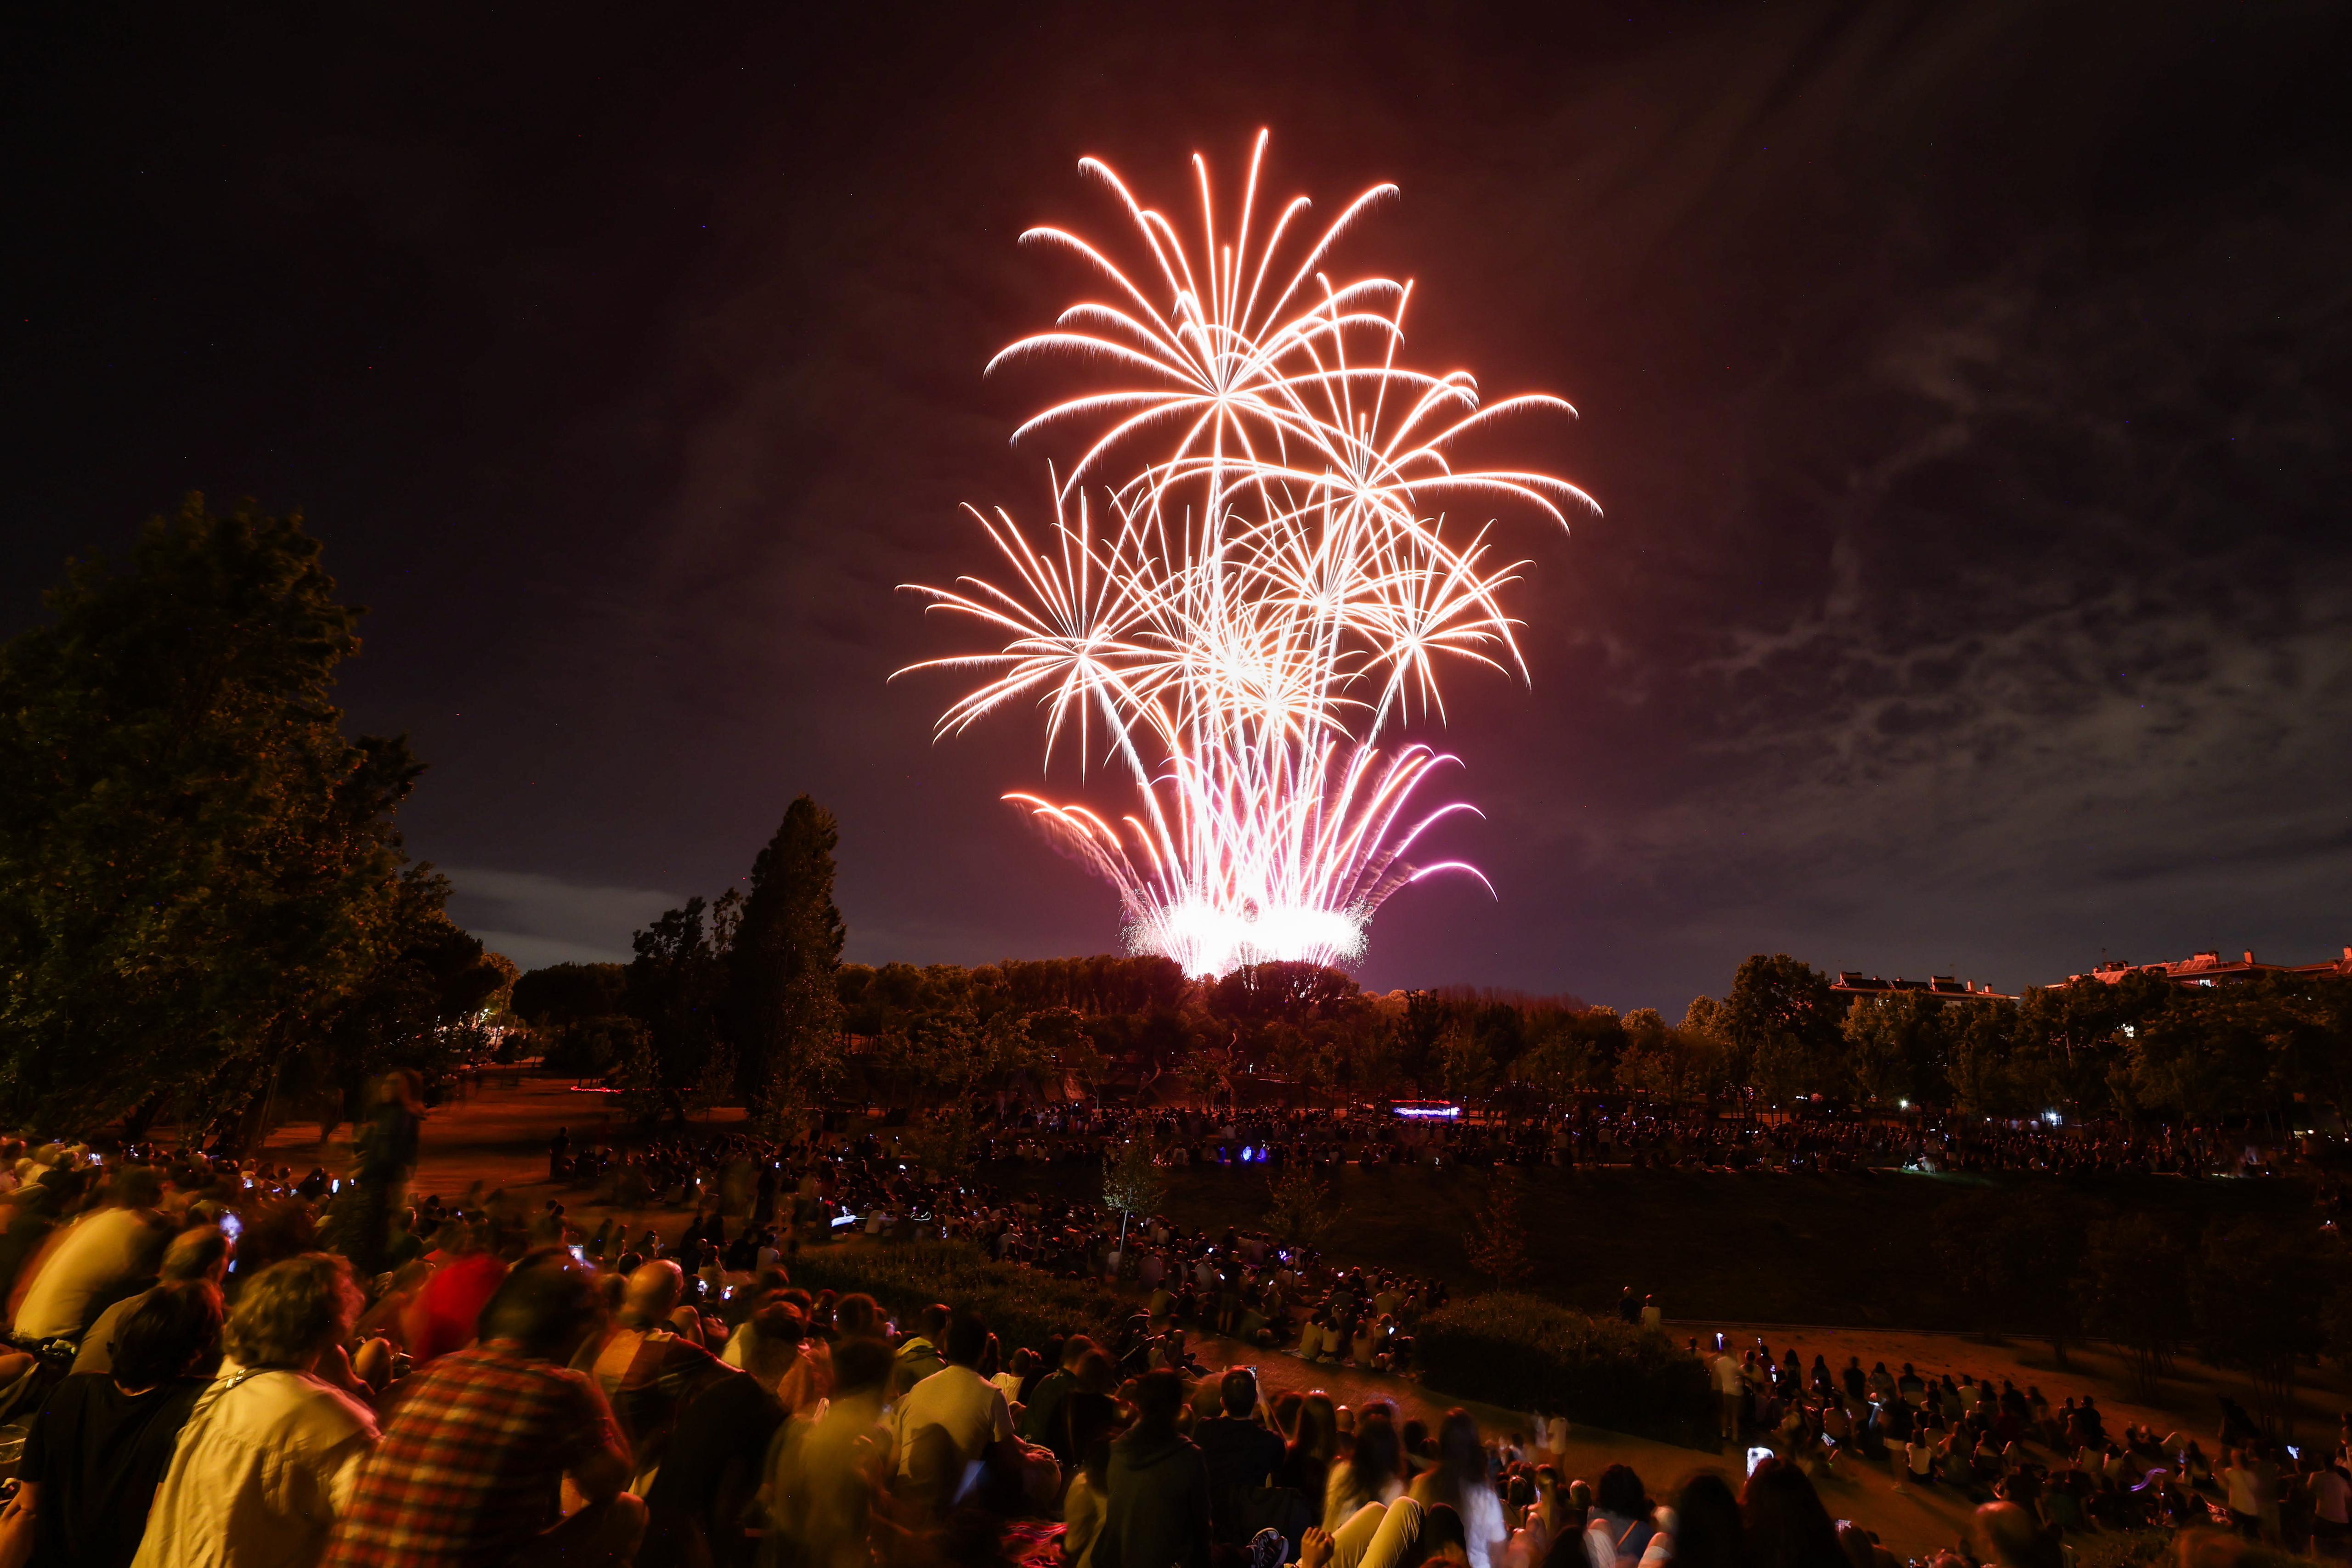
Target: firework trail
1248,579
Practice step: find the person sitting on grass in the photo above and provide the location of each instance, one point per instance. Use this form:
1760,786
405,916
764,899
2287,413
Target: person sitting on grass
99,1446
485,1439
1158,1514
266,1464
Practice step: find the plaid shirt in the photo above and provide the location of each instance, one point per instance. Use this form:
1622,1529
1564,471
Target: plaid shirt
471,1462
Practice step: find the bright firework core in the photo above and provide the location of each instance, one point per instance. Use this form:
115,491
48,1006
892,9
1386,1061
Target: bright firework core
1248,577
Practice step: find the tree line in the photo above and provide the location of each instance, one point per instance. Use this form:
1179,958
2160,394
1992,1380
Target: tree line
2140,1050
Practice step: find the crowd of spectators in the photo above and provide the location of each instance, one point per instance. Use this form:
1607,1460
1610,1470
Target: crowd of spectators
1617,1133
195,1375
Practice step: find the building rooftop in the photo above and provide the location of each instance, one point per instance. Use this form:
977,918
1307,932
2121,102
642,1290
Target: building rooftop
1854,983
2210,969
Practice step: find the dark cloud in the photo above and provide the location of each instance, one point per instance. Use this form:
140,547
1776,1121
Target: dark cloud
1966,388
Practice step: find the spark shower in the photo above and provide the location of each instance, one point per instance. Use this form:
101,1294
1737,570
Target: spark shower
1248,577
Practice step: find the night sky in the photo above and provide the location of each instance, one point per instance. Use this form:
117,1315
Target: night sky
1966,386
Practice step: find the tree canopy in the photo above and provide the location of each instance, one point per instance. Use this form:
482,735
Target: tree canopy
202,896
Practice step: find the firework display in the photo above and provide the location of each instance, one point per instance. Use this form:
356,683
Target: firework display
1248,579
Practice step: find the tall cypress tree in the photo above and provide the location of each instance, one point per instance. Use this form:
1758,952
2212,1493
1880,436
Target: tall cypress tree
785,998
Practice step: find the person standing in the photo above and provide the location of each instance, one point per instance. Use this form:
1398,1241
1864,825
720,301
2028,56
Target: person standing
387,1155
1730,1392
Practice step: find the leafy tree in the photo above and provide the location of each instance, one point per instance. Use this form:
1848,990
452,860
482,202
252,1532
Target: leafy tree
1301,1209
674,987
1210,1071
575,1013
1896,1046
1497,1242
416,1005
1464,1066
2073,1041
1783,1020
196,861
1133,1183
784,1000
562,994
1424,1020
1293,993
1670,1063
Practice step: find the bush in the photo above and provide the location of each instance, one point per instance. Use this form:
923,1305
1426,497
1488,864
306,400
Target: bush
1021,1305
1522,1352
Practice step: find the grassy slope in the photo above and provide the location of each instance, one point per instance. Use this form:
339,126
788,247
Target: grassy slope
1761,1248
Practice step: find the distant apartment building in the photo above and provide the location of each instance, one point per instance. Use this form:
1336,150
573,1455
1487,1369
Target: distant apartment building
1854,983
2213,969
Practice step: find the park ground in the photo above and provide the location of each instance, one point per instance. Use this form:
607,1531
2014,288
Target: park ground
1836,1265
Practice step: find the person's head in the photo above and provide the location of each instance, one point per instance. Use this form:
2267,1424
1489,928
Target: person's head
200,1253
1620,1492
1096,1373
1377,1456
547,1306
931,1322
1159,1396
967,1338
861,1363
1319,1426
170,1334
779,1321
293,1310
654,1292
1286,1407
136,1186
855,1316
1787,1526
401,1087
1442,1539
2009,1536
1459,1452
1237,1392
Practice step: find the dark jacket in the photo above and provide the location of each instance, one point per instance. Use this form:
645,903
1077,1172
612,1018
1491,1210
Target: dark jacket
1158,1515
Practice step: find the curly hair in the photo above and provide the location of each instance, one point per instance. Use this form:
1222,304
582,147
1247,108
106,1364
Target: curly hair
293,1308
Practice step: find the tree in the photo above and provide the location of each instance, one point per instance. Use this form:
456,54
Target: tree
784,997
195,859
674,989
1301,1207
1133,1183
1783,1020
1293,993
418,1004
575,1013
1464,1066
1497,1242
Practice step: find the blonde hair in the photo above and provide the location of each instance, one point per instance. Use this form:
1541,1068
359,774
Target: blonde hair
292,1309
